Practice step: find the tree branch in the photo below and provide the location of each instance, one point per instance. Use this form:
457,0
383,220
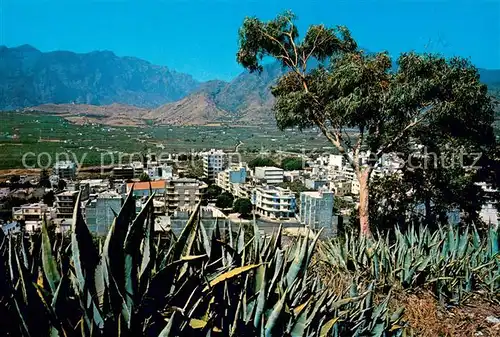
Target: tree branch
336,139
289,34
389,145
312,50
272,38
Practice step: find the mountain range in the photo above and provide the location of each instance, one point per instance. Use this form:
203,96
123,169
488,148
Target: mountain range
102,87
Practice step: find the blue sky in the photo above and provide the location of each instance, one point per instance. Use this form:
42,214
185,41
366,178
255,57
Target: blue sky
200,37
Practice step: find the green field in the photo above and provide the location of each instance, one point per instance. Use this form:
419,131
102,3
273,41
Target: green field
38,137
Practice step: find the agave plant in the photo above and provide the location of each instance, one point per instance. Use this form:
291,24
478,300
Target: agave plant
451,262
197,284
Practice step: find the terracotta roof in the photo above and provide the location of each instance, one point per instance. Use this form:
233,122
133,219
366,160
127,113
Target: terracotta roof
144,185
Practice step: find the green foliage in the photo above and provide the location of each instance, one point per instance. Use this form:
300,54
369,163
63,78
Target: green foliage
224,200
191,285
194,169
144,177
243,206
340,203
49,198
213,191
292,164
44,179
61,185
260,162
451,262
86,141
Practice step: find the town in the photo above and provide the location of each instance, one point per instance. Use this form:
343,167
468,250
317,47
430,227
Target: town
319,192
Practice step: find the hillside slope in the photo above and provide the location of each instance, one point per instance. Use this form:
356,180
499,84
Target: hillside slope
29,77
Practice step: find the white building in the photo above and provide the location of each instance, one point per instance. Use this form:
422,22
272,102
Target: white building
274,202
65,170
337,162
269,175
233,181
162,171
341,186
355,186
316,210
32,215
291,176
65,204
214,161
489,214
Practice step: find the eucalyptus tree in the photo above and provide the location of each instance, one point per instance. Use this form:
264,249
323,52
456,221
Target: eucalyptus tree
333,85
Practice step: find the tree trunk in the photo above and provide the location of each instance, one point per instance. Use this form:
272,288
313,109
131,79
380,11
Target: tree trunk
364,217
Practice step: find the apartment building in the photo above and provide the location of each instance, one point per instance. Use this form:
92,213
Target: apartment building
123,172
243,191
65,170
65,204
214,162
183,193
233,180
274,202
316,210
32,215
269,175
100,211
337,162
138,167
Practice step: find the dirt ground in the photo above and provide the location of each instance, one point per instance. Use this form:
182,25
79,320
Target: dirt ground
428,317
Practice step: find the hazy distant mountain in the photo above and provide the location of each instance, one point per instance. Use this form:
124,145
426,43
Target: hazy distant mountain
246,99
196,109
490,77
29,77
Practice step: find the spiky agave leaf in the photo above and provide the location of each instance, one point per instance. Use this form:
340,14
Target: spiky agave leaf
48,260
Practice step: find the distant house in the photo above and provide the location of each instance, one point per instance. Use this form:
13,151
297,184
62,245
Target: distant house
269,175
144,188
32,215
315,184
4,192
65,170
11,227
